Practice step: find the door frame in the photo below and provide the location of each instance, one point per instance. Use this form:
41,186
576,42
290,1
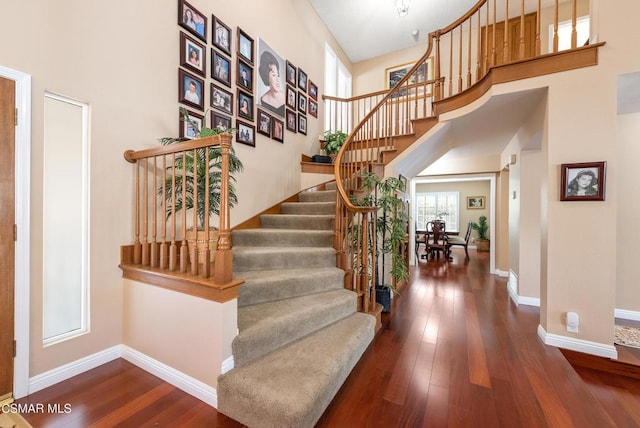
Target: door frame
22,279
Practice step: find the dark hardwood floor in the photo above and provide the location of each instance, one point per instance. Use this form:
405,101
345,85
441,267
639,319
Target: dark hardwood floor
454,351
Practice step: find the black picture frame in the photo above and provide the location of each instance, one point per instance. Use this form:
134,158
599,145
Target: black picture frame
186,129
302,124
245,47
302,103
244,76
245,105
188,94
292,124
292,98
302,80
291,71
313,90
264,123
313,108
192,20
221,35
220,68
220,121
221,99
245,133
277,130
584,181
193,55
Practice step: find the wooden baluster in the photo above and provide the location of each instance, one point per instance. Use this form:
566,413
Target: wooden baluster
521,48
438,87
460,49
223,261
451,63
173,248
538,24
506,54
137,247
164,250
154,221
193,251
555,28
183,245
206,262
485,68
469,53
574,29
145,215
479,51
494,52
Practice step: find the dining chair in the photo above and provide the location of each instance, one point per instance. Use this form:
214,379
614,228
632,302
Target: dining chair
457,240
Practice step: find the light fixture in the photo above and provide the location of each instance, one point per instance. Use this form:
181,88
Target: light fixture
402,7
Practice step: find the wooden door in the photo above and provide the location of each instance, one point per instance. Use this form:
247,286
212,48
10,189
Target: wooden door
514,40
7,237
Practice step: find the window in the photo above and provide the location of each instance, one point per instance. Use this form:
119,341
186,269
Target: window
438,205
337,83
564,33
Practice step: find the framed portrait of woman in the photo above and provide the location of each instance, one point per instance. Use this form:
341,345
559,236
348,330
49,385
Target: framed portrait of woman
192,20
583,181
291,121
245,105
270,86
277,130
192,54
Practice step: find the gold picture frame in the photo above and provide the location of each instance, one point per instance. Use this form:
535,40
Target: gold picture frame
393,75
476,202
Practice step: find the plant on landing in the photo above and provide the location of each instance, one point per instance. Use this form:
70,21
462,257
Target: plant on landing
333,142
481,227
213,169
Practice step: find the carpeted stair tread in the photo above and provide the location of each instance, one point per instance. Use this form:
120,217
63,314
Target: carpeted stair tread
292,386
267,258
282,237
267,285
268,326
327,208
297,221
318,196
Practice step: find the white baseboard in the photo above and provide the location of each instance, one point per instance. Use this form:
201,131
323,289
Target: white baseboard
627,315
502,273
529,301
584,346
67,371
512,288
228,364
188,384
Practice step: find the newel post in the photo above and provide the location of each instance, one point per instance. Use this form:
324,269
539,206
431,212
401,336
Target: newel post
223,266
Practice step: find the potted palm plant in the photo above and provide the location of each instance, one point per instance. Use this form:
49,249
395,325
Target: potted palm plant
332,143
482,242
184,195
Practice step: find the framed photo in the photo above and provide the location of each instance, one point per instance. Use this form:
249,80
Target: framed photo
190,90
302,80
302,103
269,85
583,181
221,35
245,133
476,202
245,105
264,123
192,20
221,99
291,74
187,128
393,75
245,46
220,121
277,130
291,98
302,124
313,90
220,68
291,121
313,108
193,55
244,78
403,180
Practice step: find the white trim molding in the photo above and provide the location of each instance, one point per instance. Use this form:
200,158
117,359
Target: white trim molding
627,315
188,384
584,346
67,371
22,279
227,365
512,288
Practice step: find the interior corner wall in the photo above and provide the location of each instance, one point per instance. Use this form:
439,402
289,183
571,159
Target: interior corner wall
502,220
628,213
122,58
529,223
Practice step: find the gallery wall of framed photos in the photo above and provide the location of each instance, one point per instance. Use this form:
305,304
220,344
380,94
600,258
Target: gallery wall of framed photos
249,86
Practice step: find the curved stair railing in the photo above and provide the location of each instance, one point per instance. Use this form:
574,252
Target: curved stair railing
458,58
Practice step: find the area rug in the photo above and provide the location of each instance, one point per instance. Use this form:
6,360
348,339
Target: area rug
627,336
13,420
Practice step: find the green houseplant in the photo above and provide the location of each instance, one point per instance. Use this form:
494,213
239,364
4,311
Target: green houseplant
482,243
333,142
391,228
184,196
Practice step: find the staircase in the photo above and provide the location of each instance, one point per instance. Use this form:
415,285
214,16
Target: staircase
299,333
